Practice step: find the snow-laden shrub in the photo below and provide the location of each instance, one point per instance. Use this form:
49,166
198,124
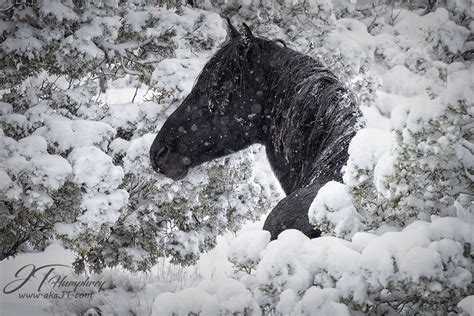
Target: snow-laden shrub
415,158
424,167
317,301
245,249
185,216
431,165
79,39
425,268
442,35
333,211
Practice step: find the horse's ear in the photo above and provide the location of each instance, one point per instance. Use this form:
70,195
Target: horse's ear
233,33
247,32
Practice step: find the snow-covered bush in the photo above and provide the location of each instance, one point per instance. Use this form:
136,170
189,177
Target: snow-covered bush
416,160
422,168
245,249
81,39
425,268
440,34
333,211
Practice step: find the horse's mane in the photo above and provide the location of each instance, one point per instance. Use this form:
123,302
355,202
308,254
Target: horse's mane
314,118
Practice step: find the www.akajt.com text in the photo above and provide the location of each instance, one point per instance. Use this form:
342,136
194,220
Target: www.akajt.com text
55,295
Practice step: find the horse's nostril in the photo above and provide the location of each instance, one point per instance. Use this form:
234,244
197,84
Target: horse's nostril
162,153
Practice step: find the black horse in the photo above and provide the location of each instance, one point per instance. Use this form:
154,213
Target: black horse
253,90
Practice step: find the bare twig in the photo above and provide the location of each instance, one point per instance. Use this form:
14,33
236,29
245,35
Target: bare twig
136,91
394,18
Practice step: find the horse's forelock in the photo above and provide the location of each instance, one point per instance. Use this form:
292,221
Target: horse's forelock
227,65
231,64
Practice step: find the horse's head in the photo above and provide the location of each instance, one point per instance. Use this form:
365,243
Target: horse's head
222,114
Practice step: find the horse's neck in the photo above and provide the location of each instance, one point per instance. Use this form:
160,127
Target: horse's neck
305,146
290,179
294,174
284,163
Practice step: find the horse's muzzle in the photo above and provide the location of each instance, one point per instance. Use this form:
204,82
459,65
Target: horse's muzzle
164,163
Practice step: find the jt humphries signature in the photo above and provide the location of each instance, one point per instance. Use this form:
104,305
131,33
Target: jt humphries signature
28,273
